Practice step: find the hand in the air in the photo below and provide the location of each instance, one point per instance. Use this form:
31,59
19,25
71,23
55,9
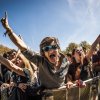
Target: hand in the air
4,21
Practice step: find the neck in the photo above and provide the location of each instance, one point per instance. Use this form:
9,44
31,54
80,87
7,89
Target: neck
58,64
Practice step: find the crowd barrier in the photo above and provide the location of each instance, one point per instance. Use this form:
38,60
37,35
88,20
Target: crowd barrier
90,92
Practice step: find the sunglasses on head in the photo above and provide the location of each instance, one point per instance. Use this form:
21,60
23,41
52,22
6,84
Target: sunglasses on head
50,47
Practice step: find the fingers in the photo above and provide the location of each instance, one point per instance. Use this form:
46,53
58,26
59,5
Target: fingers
4,86
22,89
69,85
20,37
4,19
6,15
80,83
22,86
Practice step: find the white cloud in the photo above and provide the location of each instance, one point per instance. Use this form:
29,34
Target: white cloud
86,18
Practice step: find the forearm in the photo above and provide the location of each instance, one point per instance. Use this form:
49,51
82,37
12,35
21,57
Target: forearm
11,66
93,46
16,40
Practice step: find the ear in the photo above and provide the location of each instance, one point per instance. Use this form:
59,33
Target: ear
42,53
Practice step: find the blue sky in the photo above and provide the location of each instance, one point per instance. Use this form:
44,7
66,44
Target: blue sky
68,20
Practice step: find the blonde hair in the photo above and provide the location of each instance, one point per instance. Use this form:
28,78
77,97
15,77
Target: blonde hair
29,65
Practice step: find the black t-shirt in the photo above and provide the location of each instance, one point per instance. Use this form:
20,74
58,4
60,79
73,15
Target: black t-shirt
96,57
6,73
73,68
21,79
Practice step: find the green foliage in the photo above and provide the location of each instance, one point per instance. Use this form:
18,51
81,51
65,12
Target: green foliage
85,45
70,47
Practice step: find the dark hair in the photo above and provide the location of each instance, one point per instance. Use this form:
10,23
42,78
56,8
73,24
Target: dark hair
73,51
69,55
47,41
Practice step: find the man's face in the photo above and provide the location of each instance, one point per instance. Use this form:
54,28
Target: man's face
51,52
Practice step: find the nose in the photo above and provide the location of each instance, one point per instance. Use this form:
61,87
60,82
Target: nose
52,51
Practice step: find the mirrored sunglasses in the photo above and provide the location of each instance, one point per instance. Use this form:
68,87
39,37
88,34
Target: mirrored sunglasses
50,47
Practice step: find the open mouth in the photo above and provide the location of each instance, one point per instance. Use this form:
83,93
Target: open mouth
17,63
78,52
52,56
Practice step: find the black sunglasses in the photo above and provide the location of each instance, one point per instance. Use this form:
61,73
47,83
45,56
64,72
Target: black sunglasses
47,48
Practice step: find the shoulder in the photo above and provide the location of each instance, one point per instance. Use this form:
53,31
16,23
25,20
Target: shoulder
26,71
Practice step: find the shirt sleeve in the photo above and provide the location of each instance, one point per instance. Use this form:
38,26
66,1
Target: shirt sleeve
32,56
27,74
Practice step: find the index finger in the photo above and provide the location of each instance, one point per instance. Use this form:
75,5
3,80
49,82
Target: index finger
6,15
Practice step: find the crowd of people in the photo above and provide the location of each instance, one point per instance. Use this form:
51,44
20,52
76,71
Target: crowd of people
25,73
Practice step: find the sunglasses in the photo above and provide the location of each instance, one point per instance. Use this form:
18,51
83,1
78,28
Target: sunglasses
50,47
79,50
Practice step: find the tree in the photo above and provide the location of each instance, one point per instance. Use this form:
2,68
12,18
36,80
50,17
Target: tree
85,45
70,47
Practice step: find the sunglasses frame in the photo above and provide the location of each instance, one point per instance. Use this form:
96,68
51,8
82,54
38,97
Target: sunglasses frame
50,47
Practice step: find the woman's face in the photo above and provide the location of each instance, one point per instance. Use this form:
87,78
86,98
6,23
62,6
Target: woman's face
79,53
19,62
12,55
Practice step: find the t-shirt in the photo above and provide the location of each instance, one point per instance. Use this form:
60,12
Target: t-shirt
48,76
83,70
21,79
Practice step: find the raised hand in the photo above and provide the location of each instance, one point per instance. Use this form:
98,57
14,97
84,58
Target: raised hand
4,22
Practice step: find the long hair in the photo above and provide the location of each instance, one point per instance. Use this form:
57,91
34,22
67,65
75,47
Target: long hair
46,41
28,65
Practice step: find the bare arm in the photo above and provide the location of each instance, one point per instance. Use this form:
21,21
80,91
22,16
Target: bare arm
11,66
17,54
14,38
93,46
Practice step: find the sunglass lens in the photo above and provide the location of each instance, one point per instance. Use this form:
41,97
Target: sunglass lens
54,47
47,48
